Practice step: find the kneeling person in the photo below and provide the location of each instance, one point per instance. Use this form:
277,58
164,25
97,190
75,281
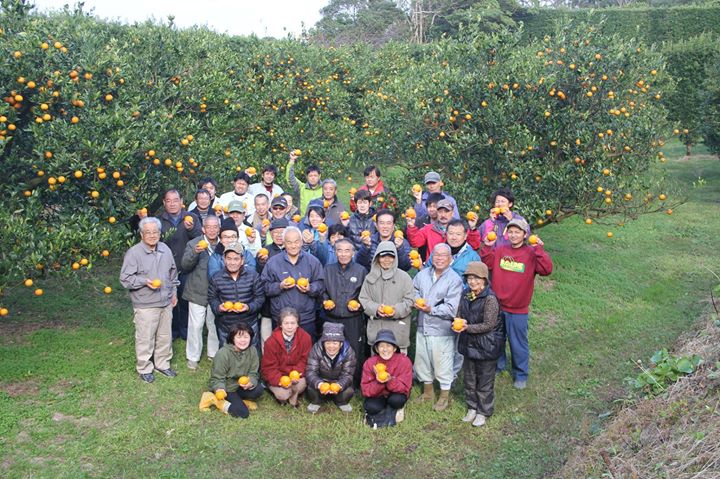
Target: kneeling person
330,369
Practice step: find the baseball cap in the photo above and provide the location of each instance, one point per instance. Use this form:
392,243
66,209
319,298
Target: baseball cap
235,247
236,206
446,204
432,177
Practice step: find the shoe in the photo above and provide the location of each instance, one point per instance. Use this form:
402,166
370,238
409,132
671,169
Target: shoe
313,408
428,393
192,365
479,420
443,401
518,384
345,408
251,405
169,372
207,400
400,415
148,377
470,416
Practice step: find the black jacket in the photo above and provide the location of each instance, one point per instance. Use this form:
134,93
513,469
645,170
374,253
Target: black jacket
321,369
485,336
359,223
247,289
177,236
342,285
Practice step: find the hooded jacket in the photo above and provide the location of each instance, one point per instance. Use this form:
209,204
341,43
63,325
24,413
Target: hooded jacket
392,287
365,254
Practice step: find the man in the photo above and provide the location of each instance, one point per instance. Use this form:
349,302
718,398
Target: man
329,202
343,280
434,233
202,204
307,191
294,278
274,247
267,183
437,296
462,253
261,219
178,227
431,207
209,185
290,210
500,215
379,194
325,250
149,272
240,193
239,285
228,235
362,219
385,232
433,184
195,262
251,242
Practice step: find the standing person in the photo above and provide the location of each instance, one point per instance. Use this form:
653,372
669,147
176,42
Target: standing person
325,250
228,235
481,337
433,184
248,236
330,368
286,350
195,262
267,184
362,219
380,196
307,191
329,202
343,281
385,232
387,379
210,185
500,215
261,219
149,272
235,294
240,193
462,252
434,233
234,381
437,296
387,296
290,209
431,216
203,204
513,269
178,227
294,278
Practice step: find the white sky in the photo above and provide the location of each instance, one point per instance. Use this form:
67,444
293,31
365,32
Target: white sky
275,18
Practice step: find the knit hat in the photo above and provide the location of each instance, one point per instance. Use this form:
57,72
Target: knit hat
477,268
333,332
228,225
385,336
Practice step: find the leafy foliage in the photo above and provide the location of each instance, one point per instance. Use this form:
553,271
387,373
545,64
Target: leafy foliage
665,370
710,97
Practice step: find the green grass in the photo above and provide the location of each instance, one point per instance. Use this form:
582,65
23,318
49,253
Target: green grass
71,404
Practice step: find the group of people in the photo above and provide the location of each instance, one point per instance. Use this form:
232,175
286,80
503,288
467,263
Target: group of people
315,300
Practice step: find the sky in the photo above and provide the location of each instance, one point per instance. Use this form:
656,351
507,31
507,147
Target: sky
275,18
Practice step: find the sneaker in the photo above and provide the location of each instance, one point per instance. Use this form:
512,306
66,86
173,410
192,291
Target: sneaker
400,415
169,372
518,384
192,365
470,416
479,420
148,377
313,408
345,408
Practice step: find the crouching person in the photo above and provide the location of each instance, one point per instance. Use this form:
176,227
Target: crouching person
386,381
330,369
234,382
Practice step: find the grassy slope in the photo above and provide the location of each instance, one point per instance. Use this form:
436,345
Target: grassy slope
71,404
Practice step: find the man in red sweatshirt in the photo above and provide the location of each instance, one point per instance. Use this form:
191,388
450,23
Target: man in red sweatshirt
434,233
513,268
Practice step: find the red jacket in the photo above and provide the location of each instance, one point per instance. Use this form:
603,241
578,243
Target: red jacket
430,236
276,362
513,273
401,376
380,191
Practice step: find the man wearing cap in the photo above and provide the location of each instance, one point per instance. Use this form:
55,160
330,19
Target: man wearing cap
513,269
149,272
329,370
240,193
195,262
267,183
294,278
437,296
239,285
385,232
329,202
433,184
252,242
307,191
435,233
228,235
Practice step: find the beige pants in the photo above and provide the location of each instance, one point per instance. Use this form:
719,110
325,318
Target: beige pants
284,394
265,330
153,338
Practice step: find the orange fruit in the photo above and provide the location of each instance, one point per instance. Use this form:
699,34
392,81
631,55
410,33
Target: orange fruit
420,302
84,262
107,290
285,381
112,220
76,266
352,304
380,367
290,281
496,211
249,231
237,305
324,388
294,375
414,254
353,191
303,282
491,236
297,152
662,197
265,223
533,239
365,234
243,380
335,388
326,203
228,304
322,228
344,215
296,218
28,282
105,253
188,219
457,324
416,263
417,188
669,211
220,394
156,283
399,234
588,221
471,216
39,292
609,234
388,310
203,244
382,376
410,213
263,252
328,304
4,312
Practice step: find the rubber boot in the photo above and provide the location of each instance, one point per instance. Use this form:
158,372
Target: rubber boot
443,401
222,405
207,400
251,405
428,393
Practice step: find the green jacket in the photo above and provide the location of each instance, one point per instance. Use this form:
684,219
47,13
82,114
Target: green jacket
307,194
228,365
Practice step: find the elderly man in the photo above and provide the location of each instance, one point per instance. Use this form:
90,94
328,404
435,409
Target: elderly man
149,272
437,297
195,261
294,278
329,202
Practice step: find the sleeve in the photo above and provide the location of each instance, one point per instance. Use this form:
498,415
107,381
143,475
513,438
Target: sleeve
189,258
348,368
456,211
405,306
312,370
214,297
129,277
369,385
258,296
448,309
270,364
402,377
317,283
404,257
416,236
473,238
290,177
420,209
272,287
490,318
251,262
219,372
368,304
254,367
543,263
363,256
487,255
173,275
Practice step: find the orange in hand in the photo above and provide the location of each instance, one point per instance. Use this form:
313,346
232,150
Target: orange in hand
228,305
296,218
322,228
420,302
365,234
188,219
380,367
382,376
410,213
294,375
399,234
203,244
414,254
491,236
417,188
220,394
303,282
249,232
353,305
285,381
324,388
471,216
457,324
344,215
533,239
335,388
262,252
416,263
237,306
289,281
328,304
156,283
243,380
388,310
265,223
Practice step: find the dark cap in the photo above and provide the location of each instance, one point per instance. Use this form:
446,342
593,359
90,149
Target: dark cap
279,223
279,201
333,332
228,225
445,204
432,177
385,336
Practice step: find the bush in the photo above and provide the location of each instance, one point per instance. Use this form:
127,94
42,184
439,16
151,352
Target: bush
710,97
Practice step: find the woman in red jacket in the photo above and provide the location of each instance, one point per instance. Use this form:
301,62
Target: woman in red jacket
386,381
284,359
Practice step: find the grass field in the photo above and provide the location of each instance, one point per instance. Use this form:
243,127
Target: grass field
71,404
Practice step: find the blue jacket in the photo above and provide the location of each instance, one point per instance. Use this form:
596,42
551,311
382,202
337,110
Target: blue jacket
444,297
216,262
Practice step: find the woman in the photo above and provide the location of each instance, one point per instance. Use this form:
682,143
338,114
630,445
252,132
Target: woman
482,333
286,350
330,368
234,379
386,381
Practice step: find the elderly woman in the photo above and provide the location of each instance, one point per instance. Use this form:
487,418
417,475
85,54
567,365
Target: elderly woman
330,369
386,381
234,382
481,339
284,358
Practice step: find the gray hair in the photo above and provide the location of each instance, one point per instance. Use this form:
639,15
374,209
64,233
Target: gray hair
345,240
444,246
329,181
149,220
290,229
211,218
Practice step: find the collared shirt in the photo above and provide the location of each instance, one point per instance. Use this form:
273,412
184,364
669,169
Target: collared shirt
141,263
